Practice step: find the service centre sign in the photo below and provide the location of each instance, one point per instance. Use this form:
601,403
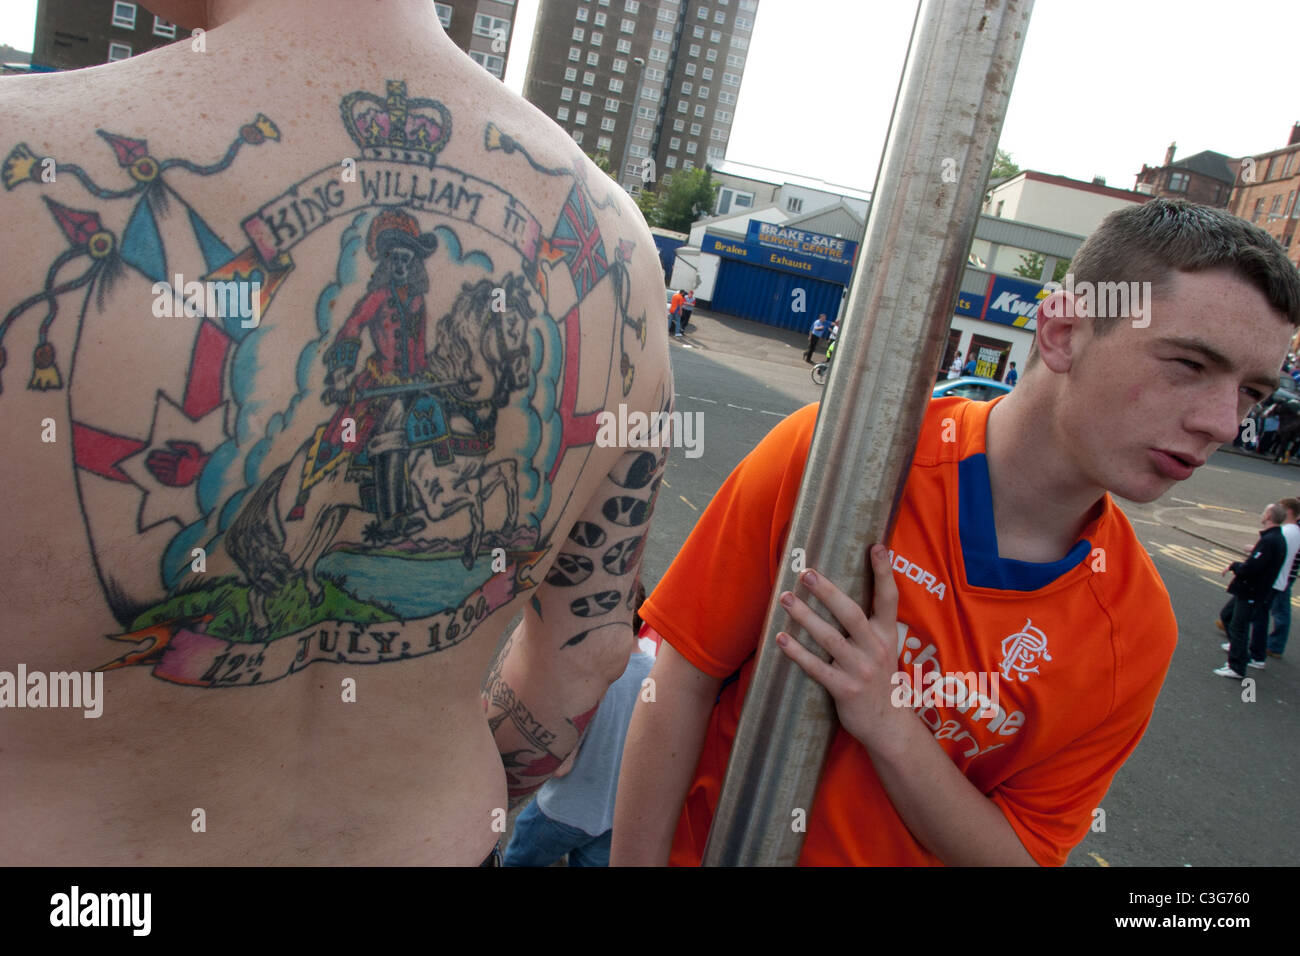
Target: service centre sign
836,253
790,250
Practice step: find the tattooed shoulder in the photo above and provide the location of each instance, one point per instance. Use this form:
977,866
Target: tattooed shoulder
368,487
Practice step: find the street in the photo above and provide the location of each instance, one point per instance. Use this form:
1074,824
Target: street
1213,781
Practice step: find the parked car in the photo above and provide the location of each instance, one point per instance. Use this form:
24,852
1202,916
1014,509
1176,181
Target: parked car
969,386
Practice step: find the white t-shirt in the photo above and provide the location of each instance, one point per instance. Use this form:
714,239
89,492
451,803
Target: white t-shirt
1291,533
585,797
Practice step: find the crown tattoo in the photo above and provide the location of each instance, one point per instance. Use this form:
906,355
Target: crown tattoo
396,128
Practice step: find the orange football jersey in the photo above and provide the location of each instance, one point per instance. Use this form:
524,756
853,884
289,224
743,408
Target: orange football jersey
1038,680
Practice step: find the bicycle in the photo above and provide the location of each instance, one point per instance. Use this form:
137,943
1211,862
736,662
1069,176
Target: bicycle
821,370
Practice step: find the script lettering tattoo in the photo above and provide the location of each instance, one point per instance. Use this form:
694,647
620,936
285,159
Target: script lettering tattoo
527,767
352,477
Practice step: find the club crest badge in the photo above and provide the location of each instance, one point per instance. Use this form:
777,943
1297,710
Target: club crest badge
1022,651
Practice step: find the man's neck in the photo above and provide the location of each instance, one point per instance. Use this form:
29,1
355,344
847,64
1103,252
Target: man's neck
1040,503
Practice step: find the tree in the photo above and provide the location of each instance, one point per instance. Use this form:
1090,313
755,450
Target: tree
647,202
601,160
1004,167
1031,267
680,199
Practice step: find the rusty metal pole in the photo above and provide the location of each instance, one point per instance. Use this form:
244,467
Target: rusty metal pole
929,189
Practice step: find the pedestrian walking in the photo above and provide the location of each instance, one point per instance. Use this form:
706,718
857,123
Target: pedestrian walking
954,370
688,306
1012,376
1252,591
1272,423
675,313
814,337
1280,612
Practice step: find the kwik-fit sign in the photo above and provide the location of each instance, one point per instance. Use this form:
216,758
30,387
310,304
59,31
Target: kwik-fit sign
1006,301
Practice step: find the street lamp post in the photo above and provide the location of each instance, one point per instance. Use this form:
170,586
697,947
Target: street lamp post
930,184
631,120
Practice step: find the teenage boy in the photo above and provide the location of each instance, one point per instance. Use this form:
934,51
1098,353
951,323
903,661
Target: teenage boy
1029,573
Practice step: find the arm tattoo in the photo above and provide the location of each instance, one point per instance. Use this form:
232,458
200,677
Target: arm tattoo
570,569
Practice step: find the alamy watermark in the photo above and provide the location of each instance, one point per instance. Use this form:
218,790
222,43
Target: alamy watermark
636,429
228,299
1100,300
79,690
77,908
963,690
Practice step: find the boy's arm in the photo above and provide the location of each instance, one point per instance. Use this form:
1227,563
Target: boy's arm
663,746
945,811
576,635
941,807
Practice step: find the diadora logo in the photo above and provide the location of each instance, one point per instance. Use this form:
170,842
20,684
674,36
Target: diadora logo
1022,650
914,572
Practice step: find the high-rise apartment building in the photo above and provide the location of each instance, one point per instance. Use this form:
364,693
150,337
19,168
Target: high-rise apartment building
642,80
482,28
71,34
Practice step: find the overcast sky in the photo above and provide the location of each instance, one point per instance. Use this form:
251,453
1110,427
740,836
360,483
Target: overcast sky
1103,85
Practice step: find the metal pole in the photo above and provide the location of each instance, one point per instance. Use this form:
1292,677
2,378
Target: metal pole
929,189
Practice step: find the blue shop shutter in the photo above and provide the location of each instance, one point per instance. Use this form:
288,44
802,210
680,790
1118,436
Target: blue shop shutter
767,295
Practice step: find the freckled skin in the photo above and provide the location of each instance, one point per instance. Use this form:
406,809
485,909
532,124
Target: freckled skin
411,772
1129,392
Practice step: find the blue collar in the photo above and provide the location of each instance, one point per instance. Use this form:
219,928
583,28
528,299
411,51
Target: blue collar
979,538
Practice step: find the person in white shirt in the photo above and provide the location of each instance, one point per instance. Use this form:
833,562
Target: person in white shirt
1280,610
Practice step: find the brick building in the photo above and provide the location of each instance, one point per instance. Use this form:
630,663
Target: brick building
642,79
482,28
1266,190
1205,177
71,34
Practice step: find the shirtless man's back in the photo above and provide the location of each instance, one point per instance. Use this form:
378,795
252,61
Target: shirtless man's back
306,325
